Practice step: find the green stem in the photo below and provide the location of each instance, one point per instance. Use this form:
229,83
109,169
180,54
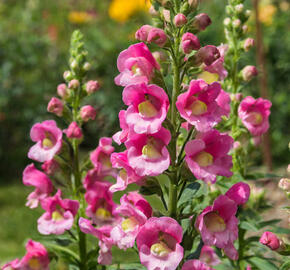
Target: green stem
173,199
240,262
82,250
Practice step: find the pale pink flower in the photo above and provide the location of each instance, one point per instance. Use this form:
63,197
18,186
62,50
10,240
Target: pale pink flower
157,36
126,175
92,87
36,257
189,43
62,90
59,215
88,113
73,131
270,240
101,156
248,44
135,210
48,138
55,106
254,114
147,153
203,105
195,265
239,193
42,184
158,243
136,65
148,107
180,20
208,256
122,136
105,241
207,157
249,72
218,225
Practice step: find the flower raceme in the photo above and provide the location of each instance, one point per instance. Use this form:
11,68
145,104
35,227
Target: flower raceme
136,65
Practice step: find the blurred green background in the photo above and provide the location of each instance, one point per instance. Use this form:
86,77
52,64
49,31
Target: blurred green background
34,42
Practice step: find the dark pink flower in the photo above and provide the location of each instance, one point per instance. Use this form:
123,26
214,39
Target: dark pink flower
189,43
254,114
207,155
207,54
218,225
270,240
55,106
148,107
180,20
59,215
203,105
42,184
157,36
147,153
136,65
239,193
48,138
73,131
158,243
142,33
202,21
122,136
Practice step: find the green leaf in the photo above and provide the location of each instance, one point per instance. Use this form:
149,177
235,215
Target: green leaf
263,264
193,190
248,226
66,253
270,222
130,266
285,265
280,230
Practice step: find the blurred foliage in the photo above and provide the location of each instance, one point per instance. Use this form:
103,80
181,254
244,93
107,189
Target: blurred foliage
34,40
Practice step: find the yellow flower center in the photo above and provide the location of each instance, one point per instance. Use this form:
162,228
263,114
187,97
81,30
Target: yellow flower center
56,215
103,213
129,224
160,249
203,159
150,151
214,223
208,77
147,109
198,108
255,118
34,264
47,143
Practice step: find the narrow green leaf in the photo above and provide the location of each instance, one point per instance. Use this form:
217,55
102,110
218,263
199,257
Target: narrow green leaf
268,223
248,226
285,265
263,264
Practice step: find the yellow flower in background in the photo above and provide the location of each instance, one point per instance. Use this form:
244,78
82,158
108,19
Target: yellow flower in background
266,13
79,17
122,10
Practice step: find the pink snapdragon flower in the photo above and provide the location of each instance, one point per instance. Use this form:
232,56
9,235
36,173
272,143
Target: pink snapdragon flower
180,20
218,225
101,208
105,240
148,107
207,55
189,43
136,65
122,136
201,104
36,257
135,211
59,215
62,90
10,265
239,193
48,138
147,153
73,131
270,240
158,243
55,106
101,156
202,21
88,112
254,114
92,87
208,256
50,166
195,265
207,157
126,174
157,36
39,180
142,32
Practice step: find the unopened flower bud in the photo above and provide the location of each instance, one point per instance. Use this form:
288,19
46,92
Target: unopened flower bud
249,72
157,36
270,240
245,29
74,64
248,13
239,8
73,84
237,23
92,86
152,11
87,66
142,33
50,166
67,75
189,43
180,20
237,145
284,184
207,54
248,44
236,97
55,106
62,90
73,131
202,21
166,15
227,21
88,112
